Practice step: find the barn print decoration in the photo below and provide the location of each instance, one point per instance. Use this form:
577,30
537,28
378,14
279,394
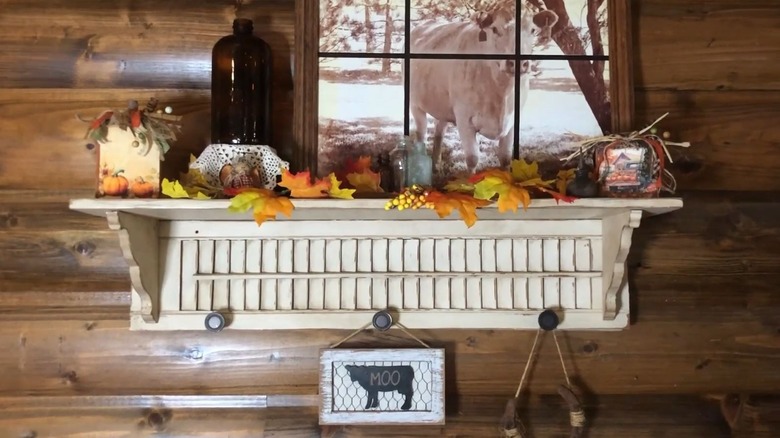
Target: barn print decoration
382,386
479,81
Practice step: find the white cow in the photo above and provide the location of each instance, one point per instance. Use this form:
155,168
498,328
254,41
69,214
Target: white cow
476,95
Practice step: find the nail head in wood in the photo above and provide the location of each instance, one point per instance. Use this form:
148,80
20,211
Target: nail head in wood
548,320
215,322
382,320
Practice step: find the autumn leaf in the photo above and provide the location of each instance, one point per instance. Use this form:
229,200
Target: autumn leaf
445,203
501,183
357,166
527,174
174,189
564,177
461,185
264,203
300,185
559,197
336,191
194,182
365,181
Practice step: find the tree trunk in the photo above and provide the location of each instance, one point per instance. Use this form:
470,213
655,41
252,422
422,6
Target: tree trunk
589,74
369,29
389,29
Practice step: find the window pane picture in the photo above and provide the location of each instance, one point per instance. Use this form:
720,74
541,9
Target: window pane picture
480,82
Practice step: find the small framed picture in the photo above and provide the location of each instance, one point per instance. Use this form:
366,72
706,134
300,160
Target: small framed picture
382,386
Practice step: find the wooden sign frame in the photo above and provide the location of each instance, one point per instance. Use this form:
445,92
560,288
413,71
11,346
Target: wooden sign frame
409,386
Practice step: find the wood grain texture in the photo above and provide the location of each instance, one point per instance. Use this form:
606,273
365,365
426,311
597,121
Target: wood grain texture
612,416
45,121
138,44
712,45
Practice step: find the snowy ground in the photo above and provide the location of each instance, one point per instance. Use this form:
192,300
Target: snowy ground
366,118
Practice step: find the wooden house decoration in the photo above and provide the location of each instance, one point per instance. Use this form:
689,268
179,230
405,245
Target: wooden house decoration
130,144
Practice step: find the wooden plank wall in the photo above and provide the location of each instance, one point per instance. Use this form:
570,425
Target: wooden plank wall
706,338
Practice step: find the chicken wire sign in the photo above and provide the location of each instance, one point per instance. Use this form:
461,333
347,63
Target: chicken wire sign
382,386
450,73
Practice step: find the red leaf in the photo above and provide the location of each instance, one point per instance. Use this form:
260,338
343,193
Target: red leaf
558,196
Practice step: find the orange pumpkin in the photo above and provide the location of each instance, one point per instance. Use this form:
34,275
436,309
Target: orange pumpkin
142,189
115,185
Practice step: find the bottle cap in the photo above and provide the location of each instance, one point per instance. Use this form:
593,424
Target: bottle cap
243,25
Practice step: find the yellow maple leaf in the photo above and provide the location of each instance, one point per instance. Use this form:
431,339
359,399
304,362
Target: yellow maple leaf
300,185
174,189
264,203
366,181
564,177
501,183
527,173
335,189
445,203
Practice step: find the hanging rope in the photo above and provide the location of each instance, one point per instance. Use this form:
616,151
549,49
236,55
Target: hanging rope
350,336
512,427
400,326
560,356
528,364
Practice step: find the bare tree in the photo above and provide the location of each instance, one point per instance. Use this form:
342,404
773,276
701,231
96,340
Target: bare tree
589,74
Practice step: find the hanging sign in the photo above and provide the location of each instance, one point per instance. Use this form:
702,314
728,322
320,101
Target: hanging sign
382,386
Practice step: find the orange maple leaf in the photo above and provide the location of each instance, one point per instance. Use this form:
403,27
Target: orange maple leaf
300,185
366,181
445,203
357,166
265,204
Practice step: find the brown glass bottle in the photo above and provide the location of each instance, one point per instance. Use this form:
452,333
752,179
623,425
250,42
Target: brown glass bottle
241,88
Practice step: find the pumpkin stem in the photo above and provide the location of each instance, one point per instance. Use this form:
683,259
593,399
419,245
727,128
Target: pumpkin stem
116,173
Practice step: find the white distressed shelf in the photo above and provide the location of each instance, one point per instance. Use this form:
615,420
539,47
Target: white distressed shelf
335,263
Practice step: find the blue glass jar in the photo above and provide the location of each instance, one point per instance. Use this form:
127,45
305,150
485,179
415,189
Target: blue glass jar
419,166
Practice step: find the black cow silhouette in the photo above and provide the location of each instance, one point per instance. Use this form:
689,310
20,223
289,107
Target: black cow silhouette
385,379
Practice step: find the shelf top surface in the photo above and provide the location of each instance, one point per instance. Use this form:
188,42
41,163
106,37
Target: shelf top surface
369,209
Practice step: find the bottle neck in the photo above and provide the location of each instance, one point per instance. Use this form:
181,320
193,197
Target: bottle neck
242,27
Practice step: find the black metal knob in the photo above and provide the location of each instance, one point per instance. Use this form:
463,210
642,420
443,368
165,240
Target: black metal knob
548,320
215,322
382,320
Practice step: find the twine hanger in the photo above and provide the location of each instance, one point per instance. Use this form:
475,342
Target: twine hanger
512,426
382,321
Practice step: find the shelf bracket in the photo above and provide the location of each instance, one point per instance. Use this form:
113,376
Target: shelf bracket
617,234
138,239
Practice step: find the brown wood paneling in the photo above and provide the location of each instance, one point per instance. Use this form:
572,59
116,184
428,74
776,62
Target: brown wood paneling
612,416
50,357
709,45
734,137
138,44
42,135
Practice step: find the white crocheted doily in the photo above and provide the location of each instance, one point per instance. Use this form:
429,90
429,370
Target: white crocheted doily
216,156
